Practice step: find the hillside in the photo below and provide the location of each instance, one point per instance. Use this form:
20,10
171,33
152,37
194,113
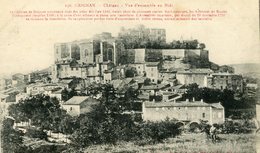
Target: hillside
247,69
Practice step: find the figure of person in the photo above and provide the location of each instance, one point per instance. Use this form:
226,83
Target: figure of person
213,131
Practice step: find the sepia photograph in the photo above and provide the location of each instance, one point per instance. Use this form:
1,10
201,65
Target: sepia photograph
133,76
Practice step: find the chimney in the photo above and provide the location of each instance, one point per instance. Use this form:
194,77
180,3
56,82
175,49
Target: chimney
187,100
201,100
193,99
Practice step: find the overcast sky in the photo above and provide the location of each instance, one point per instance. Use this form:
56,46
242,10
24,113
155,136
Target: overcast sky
27,46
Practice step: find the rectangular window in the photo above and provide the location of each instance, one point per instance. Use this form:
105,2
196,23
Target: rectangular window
203,115
219,115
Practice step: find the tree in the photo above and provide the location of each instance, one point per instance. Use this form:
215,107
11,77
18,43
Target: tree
12,141
209,95
108,122
130,72
202,46
43,111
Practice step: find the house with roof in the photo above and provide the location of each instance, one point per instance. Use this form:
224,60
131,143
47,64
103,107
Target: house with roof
154,89
152,71
79,105
186,111
198,76
226,80
167,75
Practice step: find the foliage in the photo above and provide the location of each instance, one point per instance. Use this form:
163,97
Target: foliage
209,95
67,94
36,133
236,127
154,132
42,111
69,124
94,89
47,148
11,139
108,122
143,40
147,81
130,72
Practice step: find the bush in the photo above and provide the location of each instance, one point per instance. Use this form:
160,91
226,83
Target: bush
236,127
36,133
154,132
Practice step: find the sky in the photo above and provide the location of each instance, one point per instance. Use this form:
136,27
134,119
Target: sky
27,46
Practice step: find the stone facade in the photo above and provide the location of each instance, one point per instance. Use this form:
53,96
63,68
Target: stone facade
184,111
198,76
227,81
152,71
79,105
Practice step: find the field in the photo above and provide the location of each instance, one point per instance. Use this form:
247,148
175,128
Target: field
190,143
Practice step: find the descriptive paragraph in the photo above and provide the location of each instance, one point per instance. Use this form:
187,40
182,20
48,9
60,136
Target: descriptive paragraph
115,14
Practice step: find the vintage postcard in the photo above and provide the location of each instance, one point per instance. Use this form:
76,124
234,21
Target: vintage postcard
164,76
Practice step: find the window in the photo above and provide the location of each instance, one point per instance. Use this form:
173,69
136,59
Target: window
77,68
203,115
71,69
219,114
70,108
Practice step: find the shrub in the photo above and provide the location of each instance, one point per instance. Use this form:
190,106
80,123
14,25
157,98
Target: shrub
36,133
236,127
154,132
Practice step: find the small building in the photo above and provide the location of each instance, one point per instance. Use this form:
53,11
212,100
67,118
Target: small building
152,71
198,76
139,67
79,105
21,96
227,80
154,89
184,111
